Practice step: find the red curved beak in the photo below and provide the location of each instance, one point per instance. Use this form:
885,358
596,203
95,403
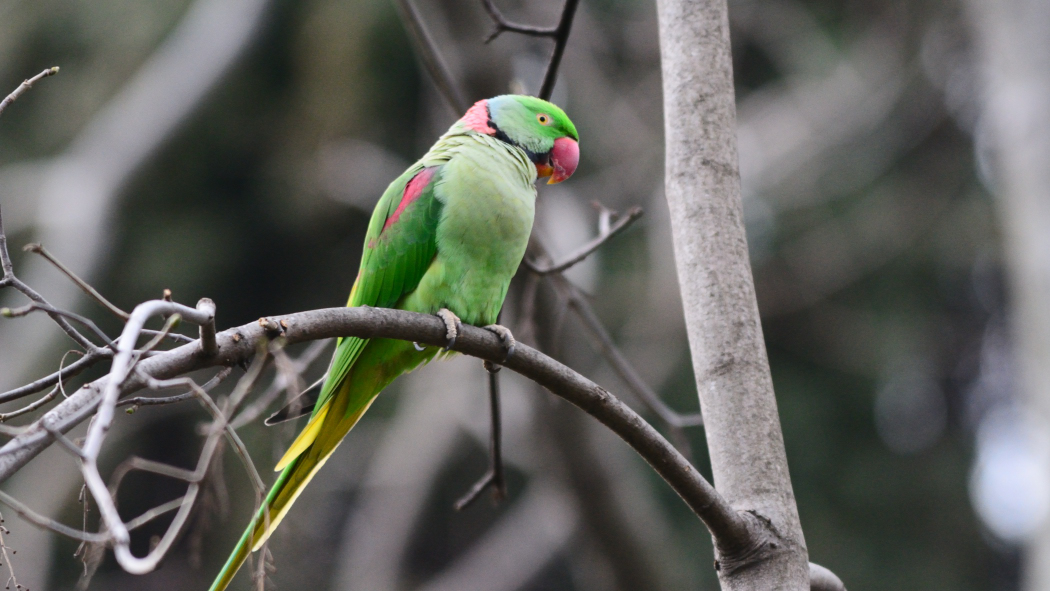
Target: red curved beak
565,156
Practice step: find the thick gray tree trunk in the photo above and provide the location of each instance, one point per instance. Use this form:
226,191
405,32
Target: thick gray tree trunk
1013,38
725,334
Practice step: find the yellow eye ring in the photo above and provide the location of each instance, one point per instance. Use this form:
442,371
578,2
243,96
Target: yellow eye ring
543,118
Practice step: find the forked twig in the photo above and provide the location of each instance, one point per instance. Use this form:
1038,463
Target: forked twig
9,280
608,349
39,520
72,370
494,476
53,311
7,416
600,336
560,34
588,248
154,401
280,384
45,399
502,24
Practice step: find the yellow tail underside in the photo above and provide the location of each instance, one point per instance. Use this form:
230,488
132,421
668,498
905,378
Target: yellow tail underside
303,441
276,519
300,445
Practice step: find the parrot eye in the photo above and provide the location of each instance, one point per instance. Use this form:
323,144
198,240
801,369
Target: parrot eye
543,119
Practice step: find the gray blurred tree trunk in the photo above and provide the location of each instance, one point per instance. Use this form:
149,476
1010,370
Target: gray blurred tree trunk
725,334
1013,38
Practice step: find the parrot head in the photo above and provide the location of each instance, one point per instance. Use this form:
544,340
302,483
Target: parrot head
536,126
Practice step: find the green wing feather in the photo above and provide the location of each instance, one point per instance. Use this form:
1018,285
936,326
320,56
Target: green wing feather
392,264
394,260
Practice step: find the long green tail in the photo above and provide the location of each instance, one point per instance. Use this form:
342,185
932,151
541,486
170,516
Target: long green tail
244,547
378,365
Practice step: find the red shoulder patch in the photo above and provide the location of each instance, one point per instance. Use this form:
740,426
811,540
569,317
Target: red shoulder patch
413,190
477,118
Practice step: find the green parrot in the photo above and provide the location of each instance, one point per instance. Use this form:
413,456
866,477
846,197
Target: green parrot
446,238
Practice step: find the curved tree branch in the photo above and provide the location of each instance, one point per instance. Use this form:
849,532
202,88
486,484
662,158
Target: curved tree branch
239,344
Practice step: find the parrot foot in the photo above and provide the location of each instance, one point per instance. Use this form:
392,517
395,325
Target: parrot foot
506,337
452,324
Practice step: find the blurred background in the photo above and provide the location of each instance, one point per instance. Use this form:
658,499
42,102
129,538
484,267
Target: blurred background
234,149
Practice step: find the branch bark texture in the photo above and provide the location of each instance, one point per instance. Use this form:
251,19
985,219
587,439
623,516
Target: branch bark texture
725,333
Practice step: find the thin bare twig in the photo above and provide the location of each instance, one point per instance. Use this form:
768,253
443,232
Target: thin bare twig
155,512
90,555
259,361
559,33
39,520
60,437
432,59
24,86
494,476
607,347
169,324
72,370
222,423
280,384
288,370
46,398
561,39
7,416
9,280
135,463
11,579
5,256
10,431
153,401
502,24
53,311
83,285
586,249
47,523
170,335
